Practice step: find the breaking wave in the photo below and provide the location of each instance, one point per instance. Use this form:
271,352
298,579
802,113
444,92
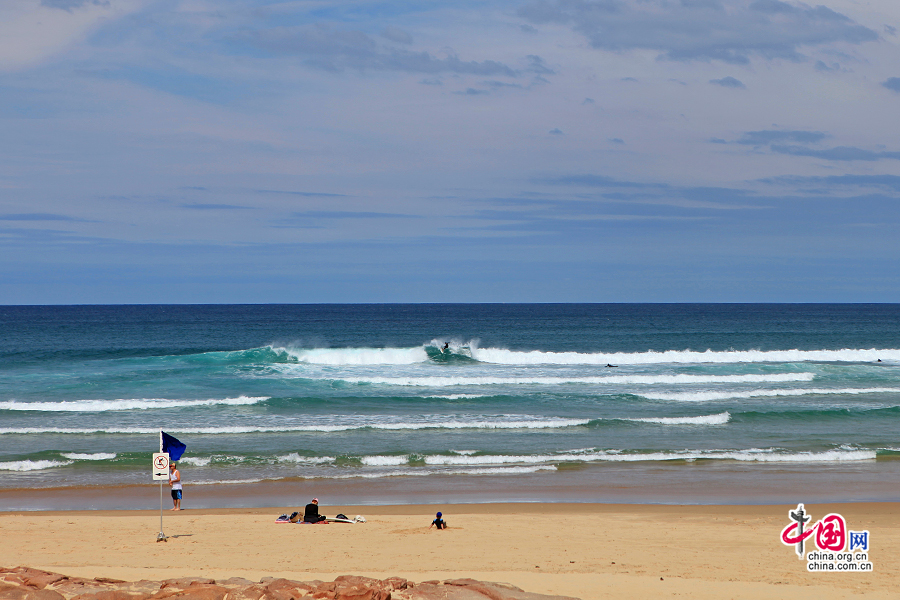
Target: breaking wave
502,356
611,380
32,465
124,404
709,396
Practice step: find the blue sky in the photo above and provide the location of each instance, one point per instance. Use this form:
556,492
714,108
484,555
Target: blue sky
474,151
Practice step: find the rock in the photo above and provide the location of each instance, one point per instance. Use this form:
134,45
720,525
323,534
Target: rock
12,592
34,578
250,592
24,593
184,582
352,587
236,581
112,595
22,583
193,591
285,589
396,583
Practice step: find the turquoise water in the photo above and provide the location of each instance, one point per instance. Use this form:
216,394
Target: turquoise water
522,397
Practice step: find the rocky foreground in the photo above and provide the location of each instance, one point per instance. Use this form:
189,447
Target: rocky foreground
22,583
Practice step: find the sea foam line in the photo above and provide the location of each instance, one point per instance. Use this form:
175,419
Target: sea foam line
545,424
707,396
32,465
125,404
719,419
751,455
511,357
418,354
420,472
684,379
94,456
435,422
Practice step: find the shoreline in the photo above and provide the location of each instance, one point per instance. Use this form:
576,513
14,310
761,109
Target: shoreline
684,484
585,550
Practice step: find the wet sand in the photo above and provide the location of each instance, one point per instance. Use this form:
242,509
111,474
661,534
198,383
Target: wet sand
591,551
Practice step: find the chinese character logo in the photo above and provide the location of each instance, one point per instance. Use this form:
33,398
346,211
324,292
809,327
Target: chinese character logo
859,540
830,532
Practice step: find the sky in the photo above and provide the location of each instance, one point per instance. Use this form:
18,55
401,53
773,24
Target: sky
253,151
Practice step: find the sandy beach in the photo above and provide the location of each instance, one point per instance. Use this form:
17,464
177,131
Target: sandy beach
590,551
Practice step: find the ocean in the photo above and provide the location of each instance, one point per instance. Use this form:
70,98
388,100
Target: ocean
361,404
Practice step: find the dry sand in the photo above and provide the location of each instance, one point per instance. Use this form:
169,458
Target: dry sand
590,551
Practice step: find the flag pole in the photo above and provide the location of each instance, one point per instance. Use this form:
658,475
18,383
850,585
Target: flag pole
162,536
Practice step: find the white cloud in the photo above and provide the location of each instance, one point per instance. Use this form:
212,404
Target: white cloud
31,31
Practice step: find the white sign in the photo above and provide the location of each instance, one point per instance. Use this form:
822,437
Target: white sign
160,466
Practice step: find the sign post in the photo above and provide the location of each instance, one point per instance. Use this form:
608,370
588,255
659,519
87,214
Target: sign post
161,473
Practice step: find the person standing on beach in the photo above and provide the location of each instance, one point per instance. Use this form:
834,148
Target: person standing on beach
175,484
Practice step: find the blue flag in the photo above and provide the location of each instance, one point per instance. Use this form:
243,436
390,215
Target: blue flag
172,446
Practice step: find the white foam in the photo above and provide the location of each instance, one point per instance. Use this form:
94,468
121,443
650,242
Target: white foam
707,396
523,422
124,404
429,472
495,459
444,381
32,465
95,456
358,356
294,457
751,455
512,357
196,461
384,461
548,423
719,419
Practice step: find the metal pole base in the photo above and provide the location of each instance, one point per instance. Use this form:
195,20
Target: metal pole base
161,537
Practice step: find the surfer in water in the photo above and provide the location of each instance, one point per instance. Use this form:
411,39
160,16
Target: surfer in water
611,366
446,347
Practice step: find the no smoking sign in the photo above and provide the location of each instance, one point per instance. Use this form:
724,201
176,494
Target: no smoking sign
160,466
